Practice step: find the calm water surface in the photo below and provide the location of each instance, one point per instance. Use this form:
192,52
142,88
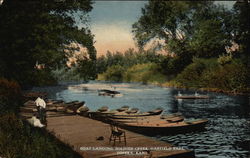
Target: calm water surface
226,136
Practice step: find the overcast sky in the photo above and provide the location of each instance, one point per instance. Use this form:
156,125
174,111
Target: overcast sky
111,23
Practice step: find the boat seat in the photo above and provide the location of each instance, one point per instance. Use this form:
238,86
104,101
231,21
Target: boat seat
117,134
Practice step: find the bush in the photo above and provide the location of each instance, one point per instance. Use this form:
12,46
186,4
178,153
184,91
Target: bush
113,73
191,76
145,73
230,77
208,73
19,139
10,96
224,59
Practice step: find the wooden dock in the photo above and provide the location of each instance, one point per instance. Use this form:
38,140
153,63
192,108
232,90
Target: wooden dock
81,133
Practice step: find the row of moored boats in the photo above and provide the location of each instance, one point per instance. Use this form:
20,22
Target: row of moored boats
150,122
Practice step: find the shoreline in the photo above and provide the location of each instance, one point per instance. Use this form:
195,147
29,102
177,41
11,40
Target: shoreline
165,85
170,85
214,90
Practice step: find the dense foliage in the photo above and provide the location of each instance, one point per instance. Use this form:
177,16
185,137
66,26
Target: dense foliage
40,32
242,29
210,73
10,96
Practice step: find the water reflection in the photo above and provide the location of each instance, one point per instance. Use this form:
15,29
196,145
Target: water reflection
226,135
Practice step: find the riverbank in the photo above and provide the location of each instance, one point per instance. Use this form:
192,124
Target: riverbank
215,90
209,75
178,86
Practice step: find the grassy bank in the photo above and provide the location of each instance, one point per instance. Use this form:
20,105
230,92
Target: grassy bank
222,74
17,137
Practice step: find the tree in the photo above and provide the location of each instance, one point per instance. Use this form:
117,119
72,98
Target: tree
242,28
40,32
185,27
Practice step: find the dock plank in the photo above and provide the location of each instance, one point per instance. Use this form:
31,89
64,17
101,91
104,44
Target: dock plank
80,132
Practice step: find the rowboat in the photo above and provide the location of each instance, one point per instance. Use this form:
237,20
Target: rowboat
73,107
72,102
103,109
166,128
53,102
151,119
125,115
132,111
123,108
106,92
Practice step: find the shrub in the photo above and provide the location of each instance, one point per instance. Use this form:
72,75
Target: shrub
208,73
145,73
191,75
113,73
225,59
10,96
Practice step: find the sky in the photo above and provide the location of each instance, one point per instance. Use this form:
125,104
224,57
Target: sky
111,23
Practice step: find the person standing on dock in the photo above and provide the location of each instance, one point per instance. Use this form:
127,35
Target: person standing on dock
41,105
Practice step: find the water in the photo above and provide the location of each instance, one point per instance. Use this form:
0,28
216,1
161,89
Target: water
226,136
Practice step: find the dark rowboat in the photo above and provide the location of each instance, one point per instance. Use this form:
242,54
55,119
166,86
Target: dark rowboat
72,102
106,92
166,128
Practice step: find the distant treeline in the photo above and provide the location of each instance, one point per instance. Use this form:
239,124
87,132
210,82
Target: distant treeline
224,73
127,59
